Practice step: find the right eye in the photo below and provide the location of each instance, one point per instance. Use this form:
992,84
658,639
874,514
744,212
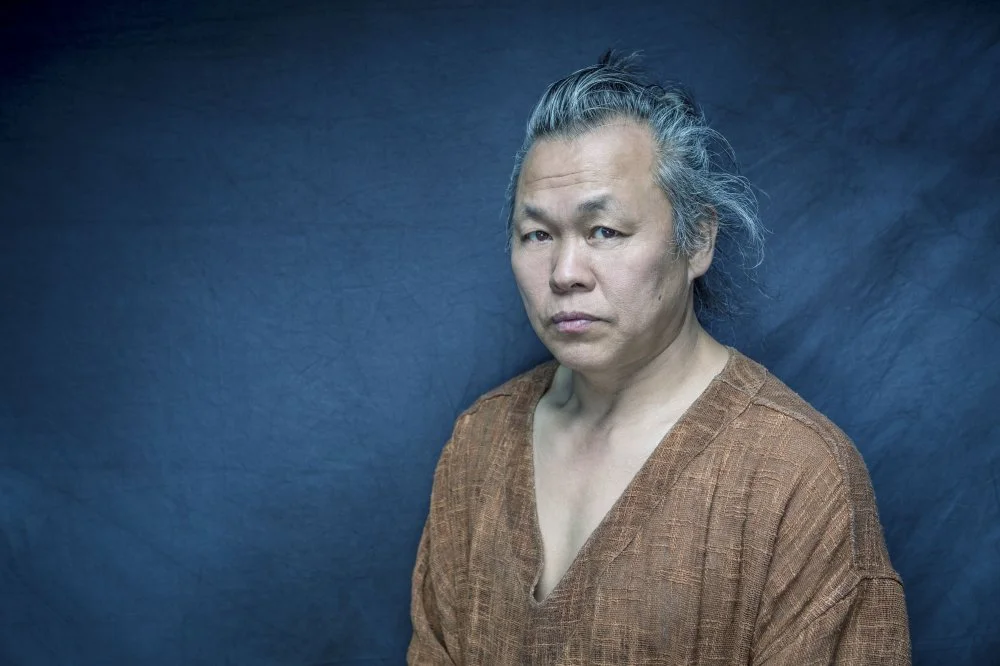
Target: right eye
525,236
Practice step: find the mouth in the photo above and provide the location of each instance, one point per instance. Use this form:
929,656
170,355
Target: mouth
575,325
573,316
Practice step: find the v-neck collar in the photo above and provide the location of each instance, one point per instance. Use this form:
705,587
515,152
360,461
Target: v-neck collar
727,395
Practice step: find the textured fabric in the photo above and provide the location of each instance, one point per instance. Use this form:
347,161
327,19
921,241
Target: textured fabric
749,536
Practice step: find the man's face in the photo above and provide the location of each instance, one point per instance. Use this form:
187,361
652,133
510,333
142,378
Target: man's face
593,233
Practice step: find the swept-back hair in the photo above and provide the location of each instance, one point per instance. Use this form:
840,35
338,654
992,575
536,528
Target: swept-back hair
695,166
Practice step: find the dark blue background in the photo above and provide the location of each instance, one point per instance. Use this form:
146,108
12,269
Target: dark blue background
252,267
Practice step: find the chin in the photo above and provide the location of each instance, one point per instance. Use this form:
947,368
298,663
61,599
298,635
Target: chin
579,357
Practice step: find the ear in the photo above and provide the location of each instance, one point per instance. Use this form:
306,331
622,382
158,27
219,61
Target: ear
699,262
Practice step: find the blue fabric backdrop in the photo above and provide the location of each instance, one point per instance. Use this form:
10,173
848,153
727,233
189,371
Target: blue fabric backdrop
252,267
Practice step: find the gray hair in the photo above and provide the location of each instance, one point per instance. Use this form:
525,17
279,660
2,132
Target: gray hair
696,182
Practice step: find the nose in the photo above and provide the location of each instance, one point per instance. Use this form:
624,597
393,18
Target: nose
571,269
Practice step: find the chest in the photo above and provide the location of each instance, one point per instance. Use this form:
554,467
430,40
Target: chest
578,479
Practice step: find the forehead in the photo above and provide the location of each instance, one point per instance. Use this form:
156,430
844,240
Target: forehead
616,159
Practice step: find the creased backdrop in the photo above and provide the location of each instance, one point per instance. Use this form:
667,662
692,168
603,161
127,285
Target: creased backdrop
252,267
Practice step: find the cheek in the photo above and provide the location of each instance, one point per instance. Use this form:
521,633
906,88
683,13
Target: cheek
529,272
646,292
520,276
634,295
528,288
642,280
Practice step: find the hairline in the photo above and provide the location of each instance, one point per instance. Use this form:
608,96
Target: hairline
578,130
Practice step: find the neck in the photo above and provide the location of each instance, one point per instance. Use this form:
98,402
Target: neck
664,385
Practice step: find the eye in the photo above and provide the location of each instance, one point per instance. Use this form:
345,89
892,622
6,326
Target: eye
616,234
526,236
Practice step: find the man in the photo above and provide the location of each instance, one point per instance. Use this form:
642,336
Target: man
650,496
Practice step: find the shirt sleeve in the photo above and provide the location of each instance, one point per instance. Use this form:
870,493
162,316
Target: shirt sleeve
440,565
869,626
831,595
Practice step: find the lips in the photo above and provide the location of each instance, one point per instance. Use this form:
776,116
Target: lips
573,316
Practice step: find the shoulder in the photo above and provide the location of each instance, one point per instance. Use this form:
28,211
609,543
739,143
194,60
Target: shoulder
514,396
780,414
537,376
498,420
818,463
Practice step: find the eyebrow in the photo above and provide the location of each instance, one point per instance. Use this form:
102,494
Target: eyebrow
586,208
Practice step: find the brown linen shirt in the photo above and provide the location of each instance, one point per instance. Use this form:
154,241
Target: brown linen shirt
749,536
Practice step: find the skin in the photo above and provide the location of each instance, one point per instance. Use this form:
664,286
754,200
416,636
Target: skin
649,354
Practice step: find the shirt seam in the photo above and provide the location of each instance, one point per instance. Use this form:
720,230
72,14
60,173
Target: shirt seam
834,450
778,646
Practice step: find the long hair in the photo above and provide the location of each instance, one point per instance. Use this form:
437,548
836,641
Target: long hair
695,166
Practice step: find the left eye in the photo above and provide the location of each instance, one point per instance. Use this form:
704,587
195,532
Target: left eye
526,237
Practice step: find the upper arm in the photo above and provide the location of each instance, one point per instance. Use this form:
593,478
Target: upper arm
868,626
830,593
435,606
